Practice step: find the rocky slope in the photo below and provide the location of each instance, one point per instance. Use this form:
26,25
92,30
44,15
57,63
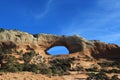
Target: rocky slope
32,76
42,42
85,54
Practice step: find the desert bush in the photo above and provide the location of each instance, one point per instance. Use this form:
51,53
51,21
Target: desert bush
56,70
28,56
79,68
37,68
115,77
94,69
110,64
110,71
45,71
60,66
11,65
55,67
98,76
30,67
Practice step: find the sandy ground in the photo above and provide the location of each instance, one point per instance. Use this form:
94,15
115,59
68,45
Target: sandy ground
32,76
22,76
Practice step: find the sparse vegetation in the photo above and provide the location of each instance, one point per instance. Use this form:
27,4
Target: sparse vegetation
79,68
11,65
88,58
110,64
101,76
94,69
28,56
55,67
114,77
98,76
17,54
60,66
111,71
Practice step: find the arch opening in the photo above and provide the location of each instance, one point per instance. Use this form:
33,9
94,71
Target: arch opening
58,50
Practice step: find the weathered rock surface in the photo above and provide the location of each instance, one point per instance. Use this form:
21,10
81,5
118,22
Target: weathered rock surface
103,50
43,42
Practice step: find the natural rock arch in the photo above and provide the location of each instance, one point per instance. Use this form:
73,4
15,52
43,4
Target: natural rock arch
45,41
42,42
72,43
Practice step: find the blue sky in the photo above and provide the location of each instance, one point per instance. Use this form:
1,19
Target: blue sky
92,19
58,50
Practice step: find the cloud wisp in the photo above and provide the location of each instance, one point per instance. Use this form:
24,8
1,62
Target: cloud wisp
98,23
109,4
46,10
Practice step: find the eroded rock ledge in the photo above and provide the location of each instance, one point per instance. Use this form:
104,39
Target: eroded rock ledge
73,43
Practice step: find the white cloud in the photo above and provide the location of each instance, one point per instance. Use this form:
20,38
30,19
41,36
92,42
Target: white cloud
46,10
93,24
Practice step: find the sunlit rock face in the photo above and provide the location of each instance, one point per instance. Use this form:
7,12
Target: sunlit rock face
43,42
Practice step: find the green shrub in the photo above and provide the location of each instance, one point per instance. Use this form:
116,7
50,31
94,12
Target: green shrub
115,77
28,56
30,67
37,68
94,69
60,66
79,68
55,67
57,70
44,69
11,65
110,64
98,76
110,71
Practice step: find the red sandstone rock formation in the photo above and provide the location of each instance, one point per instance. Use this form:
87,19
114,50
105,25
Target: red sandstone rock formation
42,42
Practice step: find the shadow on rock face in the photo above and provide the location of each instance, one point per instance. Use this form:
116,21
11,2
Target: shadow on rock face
7,46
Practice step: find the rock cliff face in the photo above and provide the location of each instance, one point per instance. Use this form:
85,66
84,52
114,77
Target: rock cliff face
42,42
103,50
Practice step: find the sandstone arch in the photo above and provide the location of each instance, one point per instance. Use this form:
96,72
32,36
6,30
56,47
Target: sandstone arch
42,42
72,43
45,41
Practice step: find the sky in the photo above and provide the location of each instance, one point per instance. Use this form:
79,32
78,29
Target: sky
92,19
58,50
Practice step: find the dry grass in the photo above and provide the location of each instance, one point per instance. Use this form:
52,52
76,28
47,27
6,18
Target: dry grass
33,76
22,76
